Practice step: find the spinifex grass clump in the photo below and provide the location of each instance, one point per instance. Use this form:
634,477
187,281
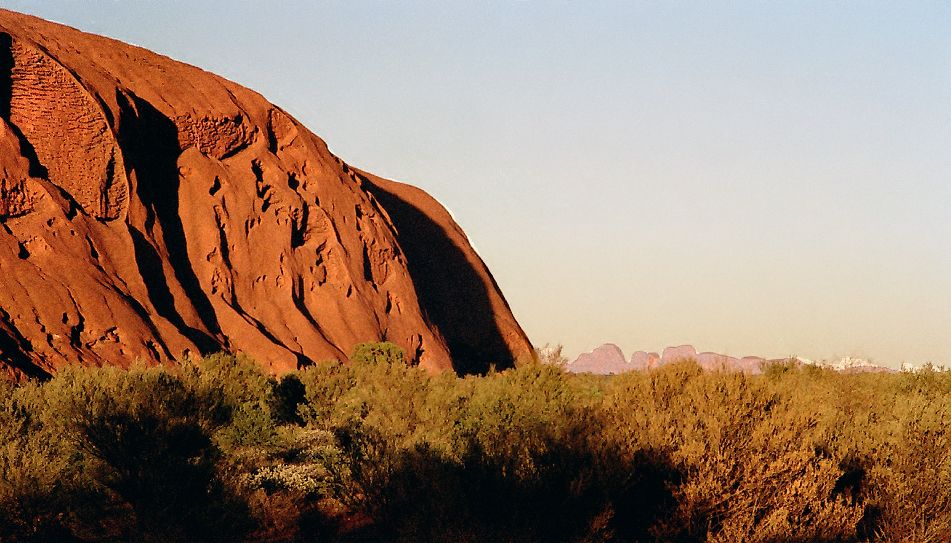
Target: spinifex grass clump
373,450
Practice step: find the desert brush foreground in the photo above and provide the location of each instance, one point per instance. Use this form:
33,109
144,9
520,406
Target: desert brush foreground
375,450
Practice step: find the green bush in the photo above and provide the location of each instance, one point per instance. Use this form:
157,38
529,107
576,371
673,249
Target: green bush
378,353
140,440
288,394
40,492
375,450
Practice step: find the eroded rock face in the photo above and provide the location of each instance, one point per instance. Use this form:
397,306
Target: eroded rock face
150,209
19,192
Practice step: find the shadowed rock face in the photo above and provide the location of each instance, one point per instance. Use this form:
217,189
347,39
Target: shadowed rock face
149,209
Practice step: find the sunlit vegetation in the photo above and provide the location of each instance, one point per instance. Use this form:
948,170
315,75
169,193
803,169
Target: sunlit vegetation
374,450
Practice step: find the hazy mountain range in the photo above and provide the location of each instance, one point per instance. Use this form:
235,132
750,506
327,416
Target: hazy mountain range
609,359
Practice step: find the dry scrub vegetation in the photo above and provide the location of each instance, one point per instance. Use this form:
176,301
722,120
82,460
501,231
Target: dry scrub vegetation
214,450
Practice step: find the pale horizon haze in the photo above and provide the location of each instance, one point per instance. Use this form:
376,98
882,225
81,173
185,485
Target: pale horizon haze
761,178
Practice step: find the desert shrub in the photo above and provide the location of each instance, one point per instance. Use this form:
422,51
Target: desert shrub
288,394
552,355
907,475
137,438
751,471
138,454
445,458
673,454
324,385
374,450
743,462
40,494
235,394
378,353
774,370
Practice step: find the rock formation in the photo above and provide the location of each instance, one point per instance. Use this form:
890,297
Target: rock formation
605,360
681,352
150,209
642,360
609,359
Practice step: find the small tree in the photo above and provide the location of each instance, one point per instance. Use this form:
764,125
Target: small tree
378,353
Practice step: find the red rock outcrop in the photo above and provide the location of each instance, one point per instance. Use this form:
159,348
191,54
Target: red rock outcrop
608,359
642,360
680,352
150,209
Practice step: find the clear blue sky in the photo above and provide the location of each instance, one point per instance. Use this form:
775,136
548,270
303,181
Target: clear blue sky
752,178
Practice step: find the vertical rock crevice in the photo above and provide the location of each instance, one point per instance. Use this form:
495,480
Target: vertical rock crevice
150,142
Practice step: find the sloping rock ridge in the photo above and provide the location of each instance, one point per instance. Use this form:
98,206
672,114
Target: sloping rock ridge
149,209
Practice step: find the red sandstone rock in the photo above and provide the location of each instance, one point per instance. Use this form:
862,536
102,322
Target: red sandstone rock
149,208
682,352
642,360
715,361
607,359
752,364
